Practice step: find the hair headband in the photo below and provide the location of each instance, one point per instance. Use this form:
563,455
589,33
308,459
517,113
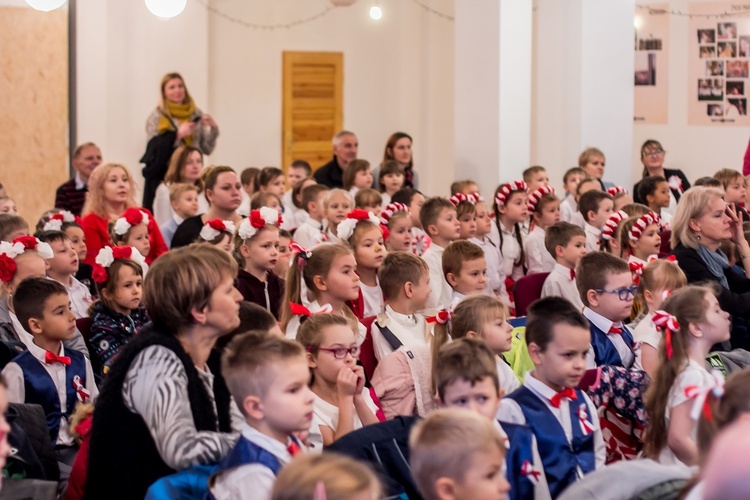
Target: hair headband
258,219
390,210
502,196
131,217
608,231
472,198
345,230
106,257
10,250
57,220
214,227
641,224
536,196
615,190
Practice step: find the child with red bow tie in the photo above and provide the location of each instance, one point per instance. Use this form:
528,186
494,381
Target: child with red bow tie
562,418
47,374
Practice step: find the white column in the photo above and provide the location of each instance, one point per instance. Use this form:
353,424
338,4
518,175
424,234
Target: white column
583,85
492,90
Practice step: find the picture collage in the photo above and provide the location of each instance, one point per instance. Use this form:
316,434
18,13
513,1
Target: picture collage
724,53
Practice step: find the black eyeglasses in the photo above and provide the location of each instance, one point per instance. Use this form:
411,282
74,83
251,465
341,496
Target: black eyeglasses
340,352
622,293
654,153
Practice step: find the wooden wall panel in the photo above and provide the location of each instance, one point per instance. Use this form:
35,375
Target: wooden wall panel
33,106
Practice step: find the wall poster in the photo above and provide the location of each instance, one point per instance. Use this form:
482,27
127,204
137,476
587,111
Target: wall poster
651,49
718,55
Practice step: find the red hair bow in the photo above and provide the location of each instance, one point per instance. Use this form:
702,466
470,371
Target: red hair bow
637,269
28,242
300,310
441,318
7,268
358,214
669,325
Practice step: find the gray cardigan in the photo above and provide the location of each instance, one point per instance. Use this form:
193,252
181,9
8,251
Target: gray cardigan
204,138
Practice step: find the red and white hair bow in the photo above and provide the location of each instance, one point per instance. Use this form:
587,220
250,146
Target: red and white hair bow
441,318
586,426
57,220
258,219
345,230
10,250
300,310
472,198
537,195
390,210
641,224
608,231
700,394
675,183
669,325
502,195
214,227
615,190
131,217
108,255
636,267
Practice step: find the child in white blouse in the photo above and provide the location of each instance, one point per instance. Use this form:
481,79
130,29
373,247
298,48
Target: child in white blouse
545,211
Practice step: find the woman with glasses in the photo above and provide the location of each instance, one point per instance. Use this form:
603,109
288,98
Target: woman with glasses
652,157
702,222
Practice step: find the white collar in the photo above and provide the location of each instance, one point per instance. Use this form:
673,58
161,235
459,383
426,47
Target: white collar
179,220
539,388
633,258
591,229
565,271
509,232
40,353
537,229
269,444
406,319
598,320
317,225
79,182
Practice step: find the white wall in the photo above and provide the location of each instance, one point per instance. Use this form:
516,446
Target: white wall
398,75
697,150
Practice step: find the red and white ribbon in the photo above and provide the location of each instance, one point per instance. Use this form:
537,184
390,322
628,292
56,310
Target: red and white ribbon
700,395
300,310
345,229
131,217
83,394
214,227
615,190
586,426
675,183
441,318
534,475
56,221
257,220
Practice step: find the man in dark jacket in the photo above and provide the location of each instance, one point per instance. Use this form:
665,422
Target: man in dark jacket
345,146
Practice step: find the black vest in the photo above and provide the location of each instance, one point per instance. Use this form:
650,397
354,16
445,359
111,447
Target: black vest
123,459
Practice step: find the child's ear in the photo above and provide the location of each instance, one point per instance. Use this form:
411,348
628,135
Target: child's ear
590,215
648,296
439,401
694,328
445,488
593,298
35,326
311,362
409,289
471,334
253,407
244,251
451,279
431,229
320,283
535,353
559,249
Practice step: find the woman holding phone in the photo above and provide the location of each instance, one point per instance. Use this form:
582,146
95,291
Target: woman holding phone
176,121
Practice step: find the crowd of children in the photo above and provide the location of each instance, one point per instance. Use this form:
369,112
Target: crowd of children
367,308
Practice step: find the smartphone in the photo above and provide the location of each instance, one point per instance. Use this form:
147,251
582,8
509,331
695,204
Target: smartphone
197,119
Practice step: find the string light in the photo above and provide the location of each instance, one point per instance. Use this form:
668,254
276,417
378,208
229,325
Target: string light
267,27
429,9
742,11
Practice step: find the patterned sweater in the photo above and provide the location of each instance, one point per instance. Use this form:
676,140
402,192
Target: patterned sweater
110,331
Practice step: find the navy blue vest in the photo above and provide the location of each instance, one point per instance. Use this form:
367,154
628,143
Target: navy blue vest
41,390
520,438
560,458
605,352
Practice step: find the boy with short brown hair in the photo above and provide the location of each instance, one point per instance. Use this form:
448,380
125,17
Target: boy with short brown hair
465,269
567,244
440,222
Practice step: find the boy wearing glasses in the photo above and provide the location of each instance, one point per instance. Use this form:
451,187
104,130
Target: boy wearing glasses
607,291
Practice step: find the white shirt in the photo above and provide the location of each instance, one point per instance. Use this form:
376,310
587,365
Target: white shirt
495,278
440,295
255,477
373,299
592,237
163,211
538,259
510,251
629,360
290,215
568,207
79,182
17,390
410,329
80,297
560,284
310,233
506,376
26,337
646,332
327,415
693,374
511,412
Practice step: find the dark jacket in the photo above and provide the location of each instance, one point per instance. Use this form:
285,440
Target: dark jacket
123,458
253,290
187,232
668,172
110,331
156,158
735,300
330,174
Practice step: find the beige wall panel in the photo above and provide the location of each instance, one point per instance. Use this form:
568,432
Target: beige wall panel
33,106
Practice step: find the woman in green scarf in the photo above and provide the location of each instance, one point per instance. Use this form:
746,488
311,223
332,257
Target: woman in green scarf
176,121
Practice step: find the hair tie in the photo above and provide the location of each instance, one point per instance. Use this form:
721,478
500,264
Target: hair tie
214,227
257,220
502,195
536,196
441,318
700,394
669,325
641,224
106,257
637,269
131,217
300,310
615,190
345,229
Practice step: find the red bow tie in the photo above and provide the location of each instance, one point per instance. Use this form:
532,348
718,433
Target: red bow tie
615,330
50,357
568,392
293,448
572,274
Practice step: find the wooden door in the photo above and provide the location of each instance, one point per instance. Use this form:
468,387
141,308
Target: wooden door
312,106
